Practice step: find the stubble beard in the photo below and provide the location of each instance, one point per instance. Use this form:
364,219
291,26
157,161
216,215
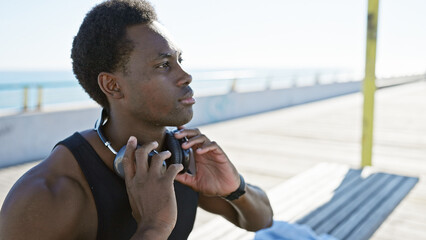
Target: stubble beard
175,118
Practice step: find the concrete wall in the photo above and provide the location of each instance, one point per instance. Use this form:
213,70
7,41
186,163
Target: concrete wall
31,136
223,107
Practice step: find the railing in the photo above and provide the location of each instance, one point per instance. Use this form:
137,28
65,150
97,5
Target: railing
34,96
25,98
227,85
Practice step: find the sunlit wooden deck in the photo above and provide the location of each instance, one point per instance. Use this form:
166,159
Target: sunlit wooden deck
270,148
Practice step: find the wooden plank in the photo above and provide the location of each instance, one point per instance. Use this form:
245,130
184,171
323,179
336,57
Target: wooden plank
361,198
316,190
366,229
401,229
354,201
317,217
375,200
351,178
351,206
287,199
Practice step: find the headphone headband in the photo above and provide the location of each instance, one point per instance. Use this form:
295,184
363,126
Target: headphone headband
98,128
179,155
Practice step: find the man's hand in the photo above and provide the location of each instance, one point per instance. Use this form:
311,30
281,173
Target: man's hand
215,174
217,177
150,189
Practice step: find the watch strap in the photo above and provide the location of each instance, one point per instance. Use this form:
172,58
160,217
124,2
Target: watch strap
239,192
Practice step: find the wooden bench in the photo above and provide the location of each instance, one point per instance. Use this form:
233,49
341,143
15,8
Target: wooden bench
330,198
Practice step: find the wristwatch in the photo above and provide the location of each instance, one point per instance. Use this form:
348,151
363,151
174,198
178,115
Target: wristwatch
239,192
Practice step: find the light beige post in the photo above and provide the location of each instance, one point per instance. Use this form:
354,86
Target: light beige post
25,98
39,97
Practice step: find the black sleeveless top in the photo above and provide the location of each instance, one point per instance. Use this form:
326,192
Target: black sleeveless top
115,220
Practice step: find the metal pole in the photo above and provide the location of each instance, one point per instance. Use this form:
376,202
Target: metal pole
234,85
268,85
369,86
25,103
39,97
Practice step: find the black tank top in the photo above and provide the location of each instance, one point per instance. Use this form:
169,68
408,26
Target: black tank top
115,220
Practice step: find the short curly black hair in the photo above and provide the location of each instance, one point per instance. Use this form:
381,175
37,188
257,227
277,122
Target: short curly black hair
101,44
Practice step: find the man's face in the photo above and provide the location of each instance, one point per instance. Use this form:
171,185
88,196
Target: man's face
156,88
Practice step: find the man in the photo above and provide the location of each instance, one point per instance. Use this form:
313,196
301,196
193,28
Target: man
128,63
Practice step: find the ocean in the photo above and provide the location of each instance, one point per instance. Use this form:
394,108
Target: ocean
61,87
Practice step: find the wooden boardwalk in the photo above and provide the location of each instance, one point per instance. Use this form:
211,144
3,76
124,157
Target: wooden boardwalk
270,148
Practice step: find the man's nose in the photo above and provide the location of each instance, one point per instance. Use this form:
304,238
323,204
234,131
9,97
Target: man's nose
185,79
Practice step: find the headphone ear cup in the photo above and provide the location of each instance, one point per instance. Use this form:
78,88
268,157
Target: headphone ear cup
179,155
172,144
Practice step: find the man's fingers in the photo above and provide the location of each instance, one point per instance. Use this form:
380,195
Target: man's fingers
142,156
173,170
158,160
128,158
186,179
189,133
211,146
197,141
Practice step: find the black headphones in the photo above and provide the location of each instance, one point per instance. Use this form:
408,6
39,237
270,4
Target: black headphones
171,143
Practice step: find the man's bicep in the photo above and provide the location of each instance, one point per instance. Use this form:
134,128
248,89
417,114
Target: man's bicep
35,210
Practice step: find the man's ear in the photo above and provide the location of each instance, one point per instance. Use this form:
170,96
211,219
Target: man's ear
109,85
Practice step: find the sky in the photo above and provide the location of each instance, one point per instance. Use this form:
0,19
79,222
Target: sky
37,35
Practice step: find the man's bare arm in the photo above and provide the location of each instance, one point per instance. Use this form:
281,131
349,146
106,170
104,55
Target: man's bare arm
37,208
252,211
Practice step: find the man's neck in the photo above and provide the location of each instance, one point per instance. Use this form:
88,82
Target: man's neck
119,129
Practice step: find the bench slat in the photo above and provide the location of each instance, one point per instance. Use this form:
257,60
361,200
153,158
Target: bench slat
330,198
366,208
327,210
359,205
367,228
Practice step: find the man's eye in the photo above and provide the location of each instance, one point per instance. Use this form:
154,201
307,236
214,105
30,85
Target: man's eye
164,65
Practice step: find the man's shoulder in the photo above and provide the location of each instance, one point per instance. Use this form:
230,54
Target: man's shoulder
43,191
52,181
50,194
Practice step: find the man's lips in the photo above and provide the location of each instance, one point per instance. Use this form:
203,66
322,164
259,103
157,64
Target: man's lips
188,99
